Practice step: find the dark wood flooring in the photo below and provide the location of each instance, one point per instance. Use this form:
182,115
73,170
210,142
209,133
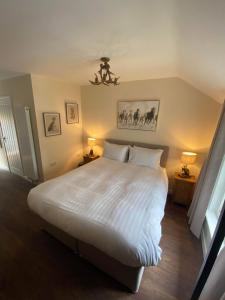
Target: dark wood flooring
34,265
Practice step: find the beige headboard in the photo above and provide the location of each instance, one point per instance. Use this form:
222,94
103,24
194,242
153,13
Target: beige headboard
144,145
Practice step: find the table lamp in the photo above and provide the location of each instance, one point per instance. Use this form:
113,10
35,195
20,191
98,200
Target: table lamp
91,144
187,158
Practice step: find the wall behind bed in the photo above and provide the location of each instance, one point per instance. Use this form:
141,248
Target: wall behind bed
60,153
187,117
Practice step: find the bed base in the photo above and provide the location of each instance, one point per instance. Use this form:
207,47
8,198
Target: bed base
128,276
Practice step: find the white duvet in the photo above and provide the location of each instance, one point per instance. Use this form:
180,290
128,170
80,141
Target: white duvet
116,207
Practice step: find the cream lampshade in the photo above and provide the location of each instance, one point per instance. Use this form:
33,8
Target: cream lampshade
91,144
187,158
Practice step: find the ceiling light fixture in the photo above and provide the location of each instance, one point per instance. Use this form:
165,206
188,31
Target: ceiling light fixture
105,76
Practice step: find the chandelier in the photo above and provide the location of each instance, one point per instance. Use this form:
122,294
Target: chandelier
105,76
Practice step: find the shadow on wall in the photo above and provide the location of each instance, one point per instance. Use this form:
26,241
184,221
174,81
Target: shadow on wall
58,168
73,159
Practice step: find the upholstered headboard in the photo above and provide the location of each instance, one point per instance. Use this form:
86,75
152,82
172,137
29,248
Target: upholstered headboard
145,145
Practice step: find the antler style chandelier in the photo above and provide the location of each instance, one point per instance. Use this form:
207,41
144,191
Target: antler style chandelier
105,76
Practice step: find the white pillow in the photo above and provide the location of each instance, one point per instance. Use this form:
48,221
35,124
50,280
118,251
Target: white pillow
116,152
145,157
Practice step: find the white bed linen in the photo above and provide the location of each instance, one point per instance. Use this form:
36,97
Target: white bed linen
116,207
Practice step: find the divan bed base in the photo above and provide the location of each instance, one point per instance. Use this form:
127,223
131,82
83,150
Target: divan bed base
128,276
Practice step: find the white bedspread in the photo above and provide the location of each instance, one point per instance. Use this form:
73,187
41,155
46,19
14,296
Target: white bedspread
116,207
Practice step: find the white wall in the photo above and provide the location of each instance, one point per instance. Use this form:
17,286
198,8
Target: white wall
59,153
187,118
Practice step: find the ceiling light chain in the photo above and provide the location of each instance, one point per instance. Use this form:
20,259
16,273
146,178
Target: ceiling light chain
105,76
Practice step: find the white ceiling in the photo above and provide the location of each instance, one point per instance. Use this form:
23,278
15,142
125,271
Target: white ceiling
144,39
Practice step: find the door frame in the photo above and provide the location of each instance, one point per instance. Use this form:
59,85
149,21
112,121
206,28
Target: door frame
8,100
216,243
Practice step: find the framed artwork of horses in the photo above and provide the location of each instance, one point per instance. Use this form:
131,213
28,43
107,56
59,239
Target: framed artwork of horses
138,114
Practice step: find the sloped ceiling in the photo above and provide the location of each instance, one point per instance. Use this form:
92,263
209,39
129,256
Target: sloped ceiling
144,39
8,74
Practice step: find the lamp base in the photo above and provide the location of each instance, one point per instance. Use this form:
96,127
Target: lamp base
184,176
91,153
185,173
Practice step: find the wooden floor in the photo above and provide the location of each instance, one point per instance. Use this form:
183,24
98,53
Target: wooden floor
34,265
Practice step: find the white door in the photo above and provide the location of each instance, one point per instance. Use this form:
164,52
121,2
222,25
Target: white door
9,136
3,156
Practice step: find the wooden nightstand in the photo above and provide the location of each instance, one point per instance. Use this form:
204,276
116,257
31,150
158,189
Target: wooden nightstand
87,159
183,189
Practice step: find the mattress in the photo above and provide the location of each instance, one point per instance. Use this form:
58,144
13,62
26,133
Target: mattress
114,206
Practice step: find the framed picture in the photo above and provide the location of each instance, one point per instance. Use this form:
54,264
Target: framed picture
138,115
72,113
52,123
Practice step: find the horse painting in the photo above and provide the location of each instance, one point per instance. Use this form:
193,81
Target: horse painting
142,115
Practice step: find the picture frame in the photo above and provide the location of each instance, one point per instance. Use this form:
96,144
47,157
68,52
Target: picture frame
138,114
52,124
72,113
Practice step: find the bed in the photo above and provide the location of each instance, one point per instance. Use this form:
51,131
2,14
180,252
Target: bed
108,212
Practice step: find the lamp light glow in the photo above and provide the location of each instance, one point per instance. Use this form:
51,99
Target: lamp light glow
187,158
91,142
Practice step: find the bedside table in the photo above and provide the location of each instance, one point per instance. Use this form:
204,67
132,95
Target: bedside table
87,159
183,189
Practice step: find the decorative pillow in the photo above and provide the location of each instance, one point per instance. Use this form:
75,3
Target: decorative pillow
116,152
145,157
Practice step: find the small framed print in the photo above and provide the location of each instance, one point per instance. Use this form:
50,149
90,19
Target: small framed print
52,123
72,113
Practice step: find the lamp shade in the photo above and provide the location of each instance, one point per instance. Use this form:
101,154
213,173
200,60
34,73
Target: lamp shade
188,158
91,142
